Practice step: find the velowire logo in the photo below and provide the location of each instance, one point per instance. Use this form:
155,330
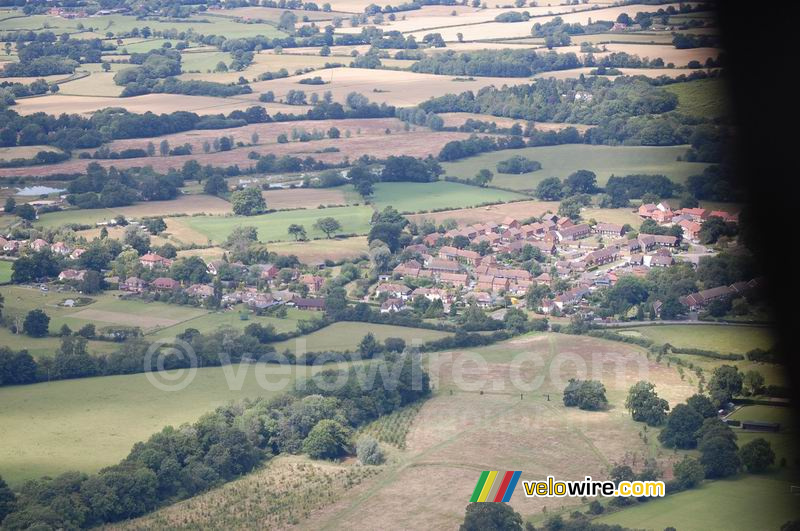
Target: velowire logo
494,486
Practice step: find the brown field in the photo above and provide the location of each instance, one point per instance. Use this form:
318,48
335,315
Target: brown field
183,204
180,232
648,72
395,88
210,253
304,198
315,251
668,53
457,119
122,318
267,132
157,103
272,13
638,38
417,144
466,216
23,152
613,215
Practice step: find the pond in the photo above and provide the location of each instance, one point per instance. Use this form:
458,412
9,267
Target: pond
38,190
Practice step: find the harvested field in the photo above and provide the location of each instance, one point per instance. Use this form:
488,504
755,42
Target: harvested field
402,89
648,72
157,103
467,216
457,119
273,14
668,53
317,251
305,198
413,143
418,197
267,132
24,152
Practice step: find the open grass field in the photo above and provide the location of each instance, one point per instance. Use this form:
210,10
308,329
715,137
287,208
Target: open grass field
316,251
560,161
467,216
456,436
45,347
24,152
346,336
307,197
750,502
784,443
272,227
403,89
87,424
613,215
703,97
184,204
210,322
416,197
719,338
5,271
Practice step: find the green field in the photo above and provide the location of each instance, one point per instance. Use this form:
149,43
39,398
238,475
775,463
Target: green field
719,338
45,347
751,502
91,423
80,216
5,271
347,335
272,227
203,60
703,97
417,197
210,322
560,161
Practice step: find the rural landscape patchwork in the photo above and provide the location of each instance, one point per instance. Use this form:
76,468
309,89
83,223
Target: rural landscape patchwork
277,264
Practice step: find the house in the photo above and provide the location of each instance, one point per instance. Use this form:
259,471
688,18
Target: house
455,279
509,223
309,304
695,214
432,239
76,253
393,306
602,256
12,246
448,253
646,210
657,260
698,300
39,245
662,216
215,266
268,271
61,248
394,291
442,266
165,284
314,282
154,261
201,291
133,284
480,298
691,229
432,294
650,241
570,297
72,275
609,229
259,300
574,232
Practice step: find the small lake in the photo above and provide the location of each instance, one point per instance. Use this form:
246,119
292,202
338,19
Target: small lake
39,190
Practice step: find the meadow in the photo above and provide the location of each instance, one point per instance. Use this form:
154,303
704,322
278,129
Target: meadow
87,424
703,97
210,322
719,338
316,251
272,227
560,161
752,502
5,271
417,197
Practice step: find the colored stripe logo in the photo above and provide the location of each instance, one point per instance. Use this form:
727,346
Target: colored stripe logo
494,486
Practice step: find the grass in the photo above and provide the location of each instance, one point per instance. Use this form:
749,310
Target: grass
210,322
92,423
203,60
724,339
560,161
24,152
346,336
416,197
272,227
45,347
393,428
751,502
702,97
5,271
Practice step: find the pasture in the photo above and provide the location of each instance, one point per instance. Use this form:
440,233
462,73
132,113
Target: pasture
5,271
719,338
751,502
307,197
342,336
46,347
317,251
23,152
560,161
88,424
209,322
417,197
467,216
272,227
702,97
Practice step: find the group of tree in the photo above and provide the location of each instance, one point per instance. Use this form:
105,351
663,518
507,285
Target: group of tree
585,394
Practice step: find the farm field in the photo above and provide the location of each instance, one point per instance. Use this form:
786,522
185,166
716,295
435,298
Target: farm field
751,502
272,227
85,425
346,336
416,197
307,197
5,271
209,322
719,338
469,216
184,204
560,161
24,152
317,251
703,97
46,347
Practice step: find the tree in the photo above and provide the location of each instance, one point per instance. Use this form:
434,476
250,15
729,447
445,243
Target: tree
36,323
369,346
298,231
215,185
491,517
753,381
645,405
10,205
679,431
589,395
580,182
702,405
138,239
72,360
327,440
248,202
328,225
688,472
163,148
570,207
757,456
369,451
672,309
92,282
8,499
719,457
483,177
26,212
726,382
